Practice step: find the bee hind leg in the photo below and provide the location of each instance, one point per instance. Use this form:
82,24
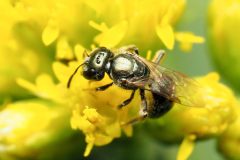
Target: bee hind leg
159,56
135,120
143,110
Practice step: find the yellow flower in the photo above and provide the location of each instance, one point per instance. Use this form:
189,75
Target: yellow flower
55,19
136,17
99,129
37,30
210,120
223,28
45,88
228,142
186,40
29,30
101,121
106,38
28,125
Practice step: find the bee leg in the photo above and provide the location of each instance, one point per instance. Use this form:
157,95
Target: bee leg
127,101
102,88
159,56
143,111
135,120
130,48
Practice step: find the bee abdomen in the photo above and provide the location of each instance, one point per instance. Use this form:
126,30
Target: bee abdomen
159,106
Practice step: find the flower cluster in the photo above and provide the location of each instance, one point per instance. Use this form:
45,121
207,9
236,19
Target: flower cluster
219,111
223,24
29,28
38,37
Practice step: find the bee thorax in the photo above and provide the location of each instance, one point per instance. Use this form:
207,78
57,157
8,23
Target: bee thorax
123,64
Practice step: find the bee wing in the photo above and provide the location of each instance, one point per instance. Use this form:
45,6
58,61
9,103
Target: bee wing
170,84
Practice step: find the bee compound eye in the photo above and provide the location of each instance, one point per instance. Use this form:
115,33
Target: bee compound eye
100,76
89,73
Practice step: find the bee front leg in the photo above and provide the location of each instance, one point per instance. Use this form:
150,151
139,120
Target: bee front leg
103,88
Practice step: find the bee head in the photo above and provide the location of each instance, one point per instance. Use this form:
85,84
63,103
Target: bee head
94,65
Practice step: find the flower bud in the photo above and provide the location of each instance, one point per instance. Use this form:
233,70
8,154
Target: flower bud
223,38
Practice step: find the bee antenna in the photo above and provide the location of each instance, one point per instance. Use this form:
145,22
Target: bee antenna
71,77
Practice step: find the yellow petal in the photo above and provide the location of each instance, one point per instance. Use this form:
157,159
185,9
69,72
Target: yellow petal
128,130
79,51
101,27
88,149
148,55
44,87
92,115
188,37
64,51
166,35
102,139
186,147
112,36
114,130
26,84
79,122
61,71
50,33
90,139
